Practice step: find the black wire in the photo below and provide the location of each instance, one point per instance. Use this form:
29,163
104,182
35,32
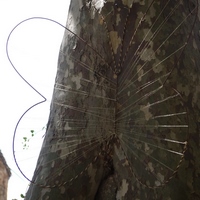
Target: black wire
43,97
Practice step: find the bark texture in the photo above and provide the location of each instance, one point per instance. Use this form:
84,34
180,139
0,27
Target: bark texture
4,177
124,121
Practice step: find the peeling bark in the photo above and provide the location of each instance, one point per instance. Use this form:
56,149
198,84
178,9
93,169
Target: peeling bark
124,121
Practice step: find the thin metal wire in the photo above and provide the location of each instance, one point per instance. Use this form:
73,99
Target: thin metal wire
31,86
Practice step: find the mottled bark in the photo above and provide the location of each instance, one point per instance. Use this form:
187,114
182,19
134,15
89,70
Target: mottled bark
124,121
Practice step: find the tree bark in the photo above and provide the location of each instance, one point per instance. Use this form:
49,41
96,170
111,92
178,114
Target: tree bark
4,177
124,120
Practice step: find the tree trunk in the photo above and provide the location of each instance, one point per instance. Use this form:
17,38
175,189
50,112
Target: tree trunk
124,114
4,177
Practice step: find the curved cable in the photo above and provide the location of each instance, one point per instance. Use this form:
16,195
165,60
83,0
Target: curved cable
43,97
